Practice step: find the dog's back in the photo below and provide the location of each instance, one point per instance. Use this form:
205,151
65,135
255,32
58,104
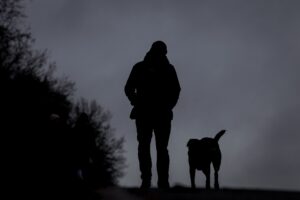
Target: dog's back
203,152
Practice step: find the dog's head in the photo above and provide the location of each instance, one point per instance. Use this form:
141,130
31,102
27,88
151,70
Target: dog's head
192,142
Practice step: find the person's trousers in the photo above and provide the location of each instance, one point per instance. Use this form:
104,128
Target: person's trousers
161,129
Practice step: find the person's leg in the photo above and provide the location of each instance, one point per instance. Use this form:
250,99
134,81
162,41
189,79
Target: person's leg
144,135
162,133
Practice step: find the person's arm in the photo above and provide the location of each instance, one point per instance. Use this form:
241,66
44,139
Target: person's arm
130,87
175,90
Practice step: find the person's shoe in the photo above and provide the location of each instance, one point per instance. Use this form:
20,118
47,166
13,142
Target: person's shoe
145,185
163,185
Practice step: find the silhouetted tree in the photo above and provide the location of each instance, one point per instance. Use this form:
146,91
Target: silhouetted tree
30,94
36,121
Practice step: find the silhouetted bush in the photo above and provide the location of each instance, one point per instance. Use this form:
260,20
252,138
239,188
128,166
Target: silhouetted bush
99,153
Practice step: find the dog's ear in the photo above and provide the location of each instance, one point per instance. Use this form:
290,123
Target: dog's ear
191,142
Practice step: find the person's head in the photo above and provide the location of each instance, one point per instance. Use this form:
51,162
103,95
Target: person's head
159,48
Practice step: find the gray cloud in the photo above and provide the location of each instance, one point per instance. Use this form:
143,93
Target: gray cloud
237,62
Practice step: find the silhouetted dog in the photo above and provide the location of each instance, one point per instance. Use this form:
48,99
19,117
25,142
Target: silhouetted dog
201,154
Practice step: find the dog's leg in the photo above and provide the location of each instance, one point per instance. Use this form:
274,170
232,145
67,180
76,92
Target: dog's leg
216,164
192,177
216,180
207,175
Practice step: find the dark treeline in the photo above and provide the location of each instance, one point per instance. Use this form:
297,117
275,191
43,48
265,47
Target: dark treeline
51,143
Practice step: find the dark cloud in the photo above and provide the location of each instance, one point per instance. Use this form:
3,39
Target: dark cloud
237,61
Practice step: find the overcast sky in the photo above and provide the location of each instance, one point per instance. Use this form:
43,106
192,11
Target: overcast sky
238,64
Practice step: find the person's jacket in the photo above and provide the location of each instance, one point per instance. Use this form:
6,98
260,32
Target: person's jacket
153,88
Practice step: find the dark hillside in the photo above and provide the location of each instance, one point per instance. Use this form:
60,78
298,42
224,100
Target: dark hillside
188,194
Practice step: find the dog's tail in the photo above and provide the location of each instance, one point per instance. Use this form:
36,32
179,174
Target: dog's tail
219,135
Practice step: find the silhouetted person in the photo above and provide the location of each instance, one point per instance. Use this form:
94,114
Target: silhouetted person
153,89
